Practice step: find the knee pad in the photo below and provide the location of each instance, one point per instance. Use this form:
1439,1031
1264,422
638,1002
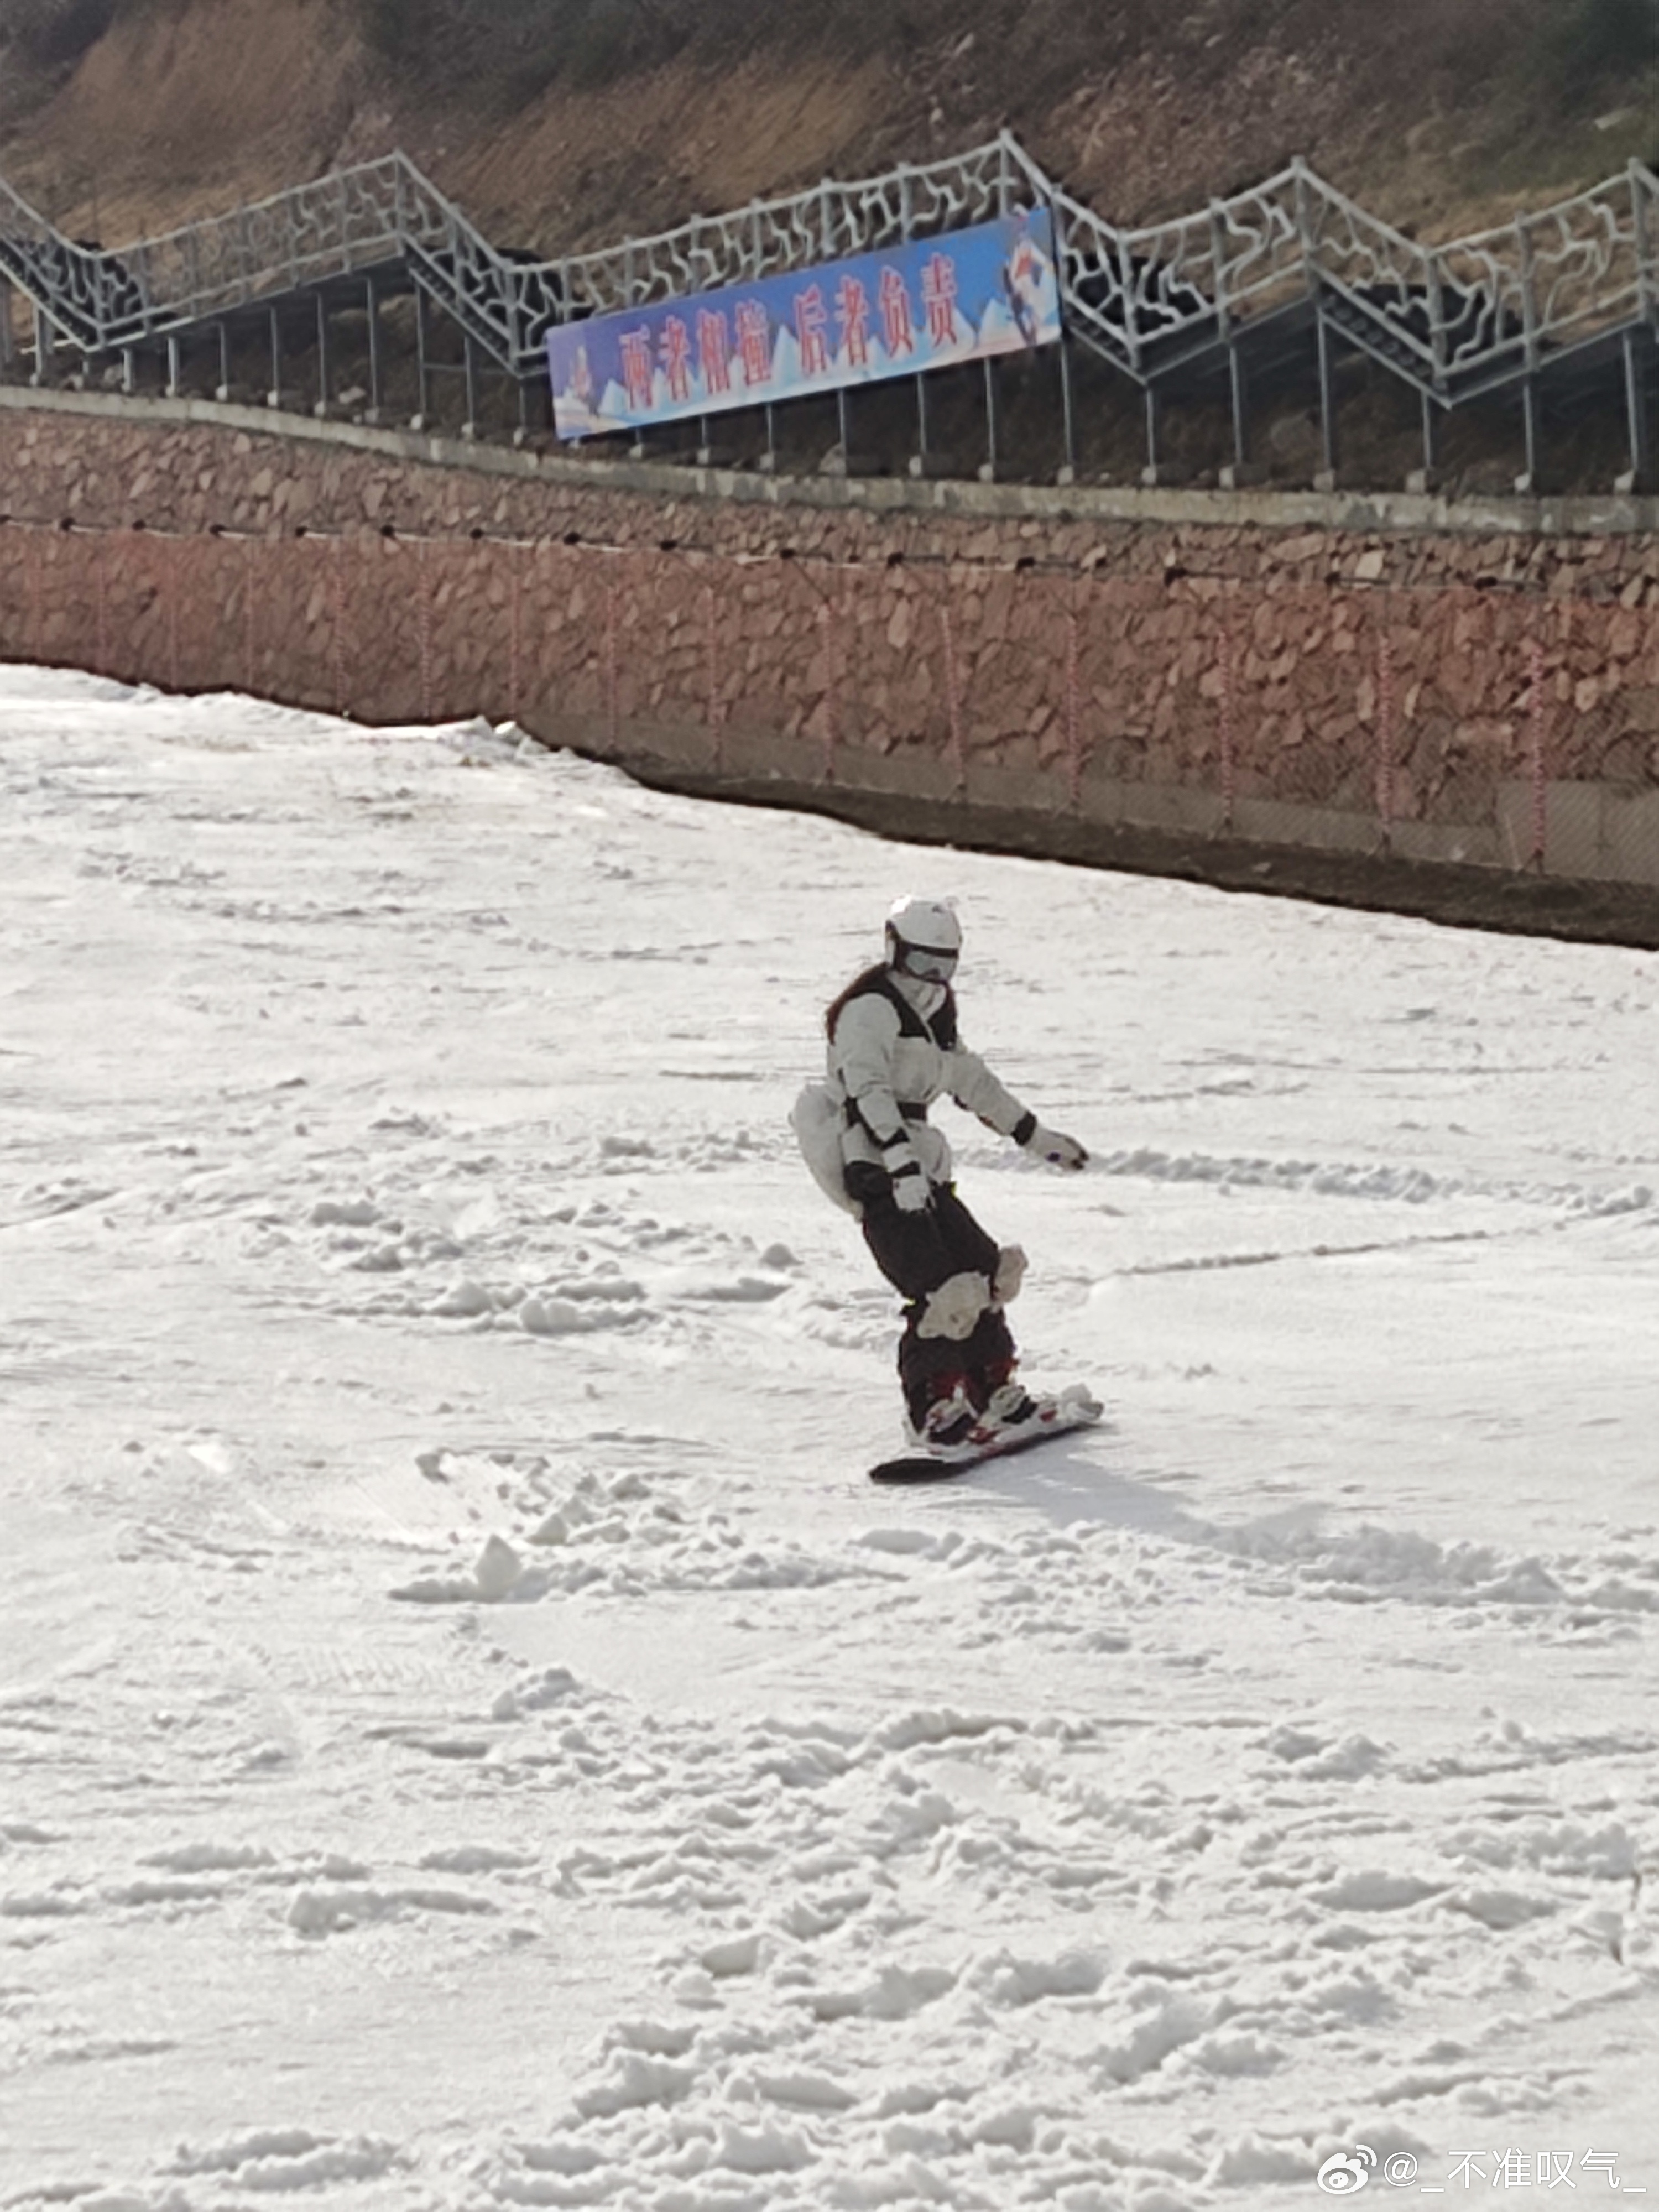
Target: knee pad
955,1307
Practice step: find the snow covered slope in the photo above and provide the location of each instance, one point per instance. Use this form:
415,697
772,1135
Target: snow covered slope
470,1737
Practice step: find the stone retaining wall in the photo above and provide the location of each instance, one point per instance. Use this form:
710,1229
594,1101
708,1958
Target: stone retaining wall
1347,677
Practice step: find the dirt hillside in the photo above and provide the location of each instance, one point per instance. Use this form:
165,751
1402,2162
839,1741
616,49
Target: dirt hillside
561,123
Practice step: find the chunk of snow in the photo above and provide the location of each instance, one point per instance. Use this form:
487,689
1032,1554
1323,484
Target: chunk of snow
497,1569
350,1214
550,1317
737,1955
633,2079
1007,1980
1376,1889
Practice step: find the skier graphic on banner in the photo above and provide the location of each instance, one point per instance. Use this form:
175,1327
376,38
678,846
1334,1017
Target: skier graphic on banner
1029,283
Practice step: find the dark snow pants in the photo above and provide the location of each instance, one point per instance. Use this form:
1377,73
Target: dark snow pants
917,1252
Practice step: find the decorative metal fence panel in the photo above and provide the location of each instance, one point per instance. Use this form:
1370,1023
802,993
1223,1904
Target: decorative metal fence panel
1454,318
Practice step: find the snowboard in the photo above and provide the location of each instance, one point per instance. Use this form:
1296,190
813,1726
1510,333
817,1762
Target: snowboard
1077,1411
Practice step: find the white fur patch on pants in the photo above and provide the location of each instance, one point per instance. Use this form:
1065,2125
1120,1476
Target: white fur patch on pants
955,1307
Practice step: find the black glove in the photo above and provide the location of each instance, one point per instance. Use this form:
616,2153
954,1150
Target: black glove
864,1183
868,1183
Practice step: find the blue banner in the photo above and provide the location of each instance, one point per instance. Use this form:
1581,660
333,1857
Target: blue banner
931,303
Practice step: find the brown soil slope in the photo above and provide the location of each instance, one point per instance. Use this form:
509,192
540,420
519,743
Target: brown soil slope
560,122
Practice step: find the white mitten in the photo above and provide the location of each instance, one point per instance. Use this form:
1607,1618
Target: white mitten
1060,1151
1012,1264
955,1307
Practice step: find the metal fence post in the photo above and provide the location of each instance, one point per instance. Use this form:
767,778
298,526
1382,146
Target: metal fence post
371,305
1068,410
469,358
1431,440
1529,327
1218,271
1647,276
1304,230
1635,404
40,375
1238,385
1068,421
324,380
1126,277
1327,402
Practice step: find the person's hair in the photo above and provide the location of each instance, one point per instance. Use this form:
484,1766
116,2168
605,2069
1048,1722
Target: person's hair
942,1024
855,989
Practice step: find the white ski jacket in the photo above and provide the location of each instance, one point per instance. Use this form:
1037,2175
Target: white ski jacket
885,1070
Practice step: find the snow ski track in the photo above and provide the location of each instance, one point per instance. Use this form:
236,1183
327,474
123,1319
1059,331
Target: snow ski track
1408,1185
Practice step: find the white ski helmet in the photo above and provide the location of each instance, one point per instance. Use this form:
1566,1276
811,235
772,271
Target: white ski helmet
924,938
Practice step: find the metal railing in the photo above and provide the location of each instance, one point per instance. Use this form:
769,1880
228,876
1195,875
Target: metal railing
1453,318
104,301
825,224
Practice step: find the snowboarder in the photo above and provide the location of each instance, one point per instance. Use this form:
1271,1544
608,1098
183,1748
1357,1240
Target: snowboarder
893,1049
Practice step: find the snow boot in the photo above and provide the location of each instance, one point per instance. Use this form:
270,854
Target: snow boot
1012,1411
951,1423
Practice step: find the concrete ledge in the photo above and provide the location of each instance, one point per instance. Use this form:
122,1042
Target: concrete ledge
1604,866
1393,512
1170,809
1460,895
1597,832
1449,844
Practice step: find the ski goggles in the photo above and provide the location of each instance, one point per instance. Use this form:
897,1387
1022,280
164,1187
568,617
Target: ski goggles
927,966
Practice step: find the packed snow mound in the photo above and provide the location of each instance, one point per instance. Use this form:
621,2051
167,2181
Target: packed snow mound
473,1737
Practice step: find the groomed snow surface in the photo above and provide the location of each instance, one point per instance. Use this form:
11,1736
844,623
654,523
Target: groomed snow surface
469,1736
